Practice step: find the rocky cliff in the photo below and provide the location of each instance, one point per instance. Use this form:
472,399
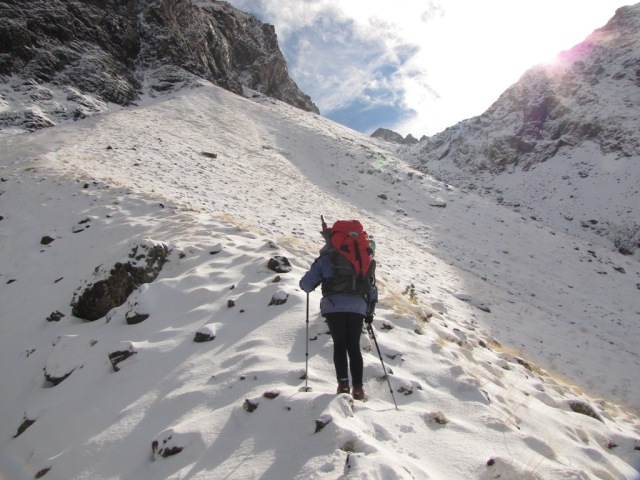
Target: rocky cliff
117,50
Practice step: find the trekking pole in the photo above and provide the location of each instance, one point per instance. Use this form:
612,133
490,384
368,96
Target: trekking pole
370,328
306,367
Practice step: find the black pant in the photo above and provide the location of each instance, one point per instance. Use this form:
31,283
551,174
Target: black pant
345,330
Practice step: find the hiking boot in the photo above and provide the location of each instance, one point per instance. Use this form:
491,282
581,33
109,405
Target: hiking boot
358,393
342,388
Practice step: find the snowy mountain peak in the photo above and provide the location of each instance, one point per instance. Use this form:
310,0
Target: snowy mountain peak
568,130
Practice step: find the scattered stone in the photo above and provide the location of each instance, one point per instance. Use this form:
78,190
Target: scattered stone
42,473
231,304
387,325
491,462
437,203
26,423
165,450
277,279
406,391
524,363
55,380
55,316
582,407
322,422
436,417
383,196
209,155
205,334
121,356
279,298
271,394
250,405
133,318
279,264
11,280
46,240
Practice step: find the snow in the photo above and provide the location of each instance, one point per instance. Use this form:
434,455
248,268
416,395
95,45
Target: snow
492,324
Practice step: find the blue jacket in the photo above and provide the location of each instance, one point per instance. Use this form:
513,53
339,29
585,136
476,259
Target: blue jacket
337,302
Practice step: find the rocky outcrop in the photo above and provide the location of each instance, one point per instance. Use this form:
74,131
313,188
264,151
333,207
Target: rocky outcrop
115,50
113,287
394,137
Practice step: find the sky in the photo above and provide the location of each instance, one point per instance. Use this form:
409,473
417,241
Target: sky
420,66
511,329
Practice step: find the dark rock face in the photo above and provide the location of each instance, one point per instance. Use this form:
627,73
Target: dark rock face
72,43
97,299
112,48
394,137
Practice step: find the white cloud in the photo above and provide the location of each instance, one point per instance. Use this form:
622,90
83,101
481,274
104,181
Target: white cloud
448,60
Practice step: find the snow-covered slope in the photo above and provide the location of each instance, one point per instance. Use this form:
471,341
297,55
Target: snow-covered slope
502,334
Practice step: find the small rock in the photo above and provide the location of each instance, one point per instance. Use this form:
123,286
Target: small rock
120,356
250,405
436,417
279,298
204,337
42,473
582,407
135,318
55,316
279,264
322,422
46,240
26,423
271,394
165,450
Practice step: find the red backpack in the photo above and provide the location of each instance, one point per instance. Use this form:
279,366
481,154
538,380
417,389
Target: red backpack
351,258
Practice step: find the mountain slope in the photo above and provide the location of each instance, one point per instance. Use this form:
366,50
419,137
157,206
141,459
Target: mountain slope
476,302
566,133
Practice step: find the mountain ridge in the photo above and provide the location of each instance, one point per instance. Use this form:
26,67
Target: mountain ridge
578,115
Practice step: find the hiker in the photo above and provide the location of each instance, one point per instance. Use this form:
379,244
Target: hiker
346,271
